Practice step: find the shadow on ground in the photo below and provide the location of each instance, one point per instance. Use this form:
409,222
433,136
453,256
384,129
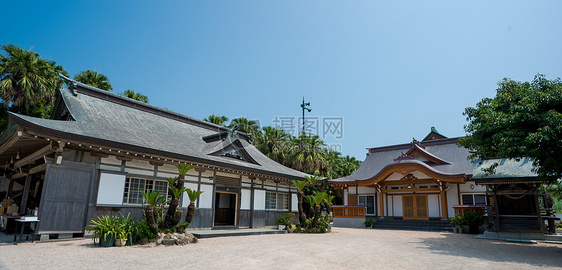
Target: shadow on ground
465,245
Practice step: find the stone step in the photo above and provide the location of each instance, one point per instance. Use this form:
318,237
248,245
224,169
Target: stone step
553,237
239,232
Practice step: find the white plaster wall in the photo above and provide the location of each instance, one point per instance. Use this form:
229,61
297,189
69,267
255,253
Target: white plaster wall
110,168
245,196
111,189
294,203
140,172
365,190
111,160
452,199
433,205
345,197
139,164
397,205
466,187
206,197
185,199
259,199
205,176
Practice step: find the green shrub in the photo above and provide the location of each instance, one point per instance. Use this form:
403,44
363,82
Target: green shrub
472,219
368,222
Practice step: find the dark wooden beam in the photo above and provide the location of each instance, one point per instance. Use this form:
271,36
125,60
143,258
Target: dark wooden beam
34,156
25,195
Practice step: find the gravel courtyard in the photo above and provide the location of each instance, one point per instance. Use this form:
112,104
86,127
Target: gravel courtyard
342,249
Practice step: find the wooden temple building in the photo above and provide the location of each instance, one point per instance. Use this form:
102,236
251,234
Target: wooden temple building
421,180
516,204
100,150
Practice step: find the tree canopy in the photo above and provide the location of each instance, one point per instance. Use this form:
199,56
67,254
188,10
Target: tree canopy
136,96
95,79
215,119
522,120
26,79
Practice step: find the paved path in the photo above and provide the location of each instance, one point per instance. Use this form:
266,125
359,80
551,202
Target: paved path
343,249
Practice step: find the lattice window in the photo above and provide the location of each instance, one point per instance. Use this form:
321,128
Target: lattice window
134,187
276,201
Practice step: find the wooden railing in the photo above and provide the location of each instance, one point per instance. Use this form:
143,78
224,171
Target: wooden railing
349,211
478,209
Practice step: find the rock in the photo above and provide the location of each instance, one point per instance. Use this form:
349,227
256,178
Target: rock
169,242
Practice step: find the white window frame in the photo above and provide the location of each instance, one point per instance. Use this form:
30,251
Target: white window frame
365,203
149,184
272,198
473,200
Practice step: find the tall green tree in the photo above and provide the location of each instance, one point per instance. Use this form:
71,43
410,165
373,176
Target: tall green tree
95,79
136,96
522,120
308,153
217,120
247,126
26,79
274,143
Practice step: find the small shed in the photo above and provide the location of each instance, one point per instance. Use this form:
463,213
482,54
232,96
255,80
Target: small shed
515,200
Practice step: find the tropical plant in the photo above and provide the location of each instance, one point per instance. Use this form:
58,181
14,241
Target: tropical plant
173,215
95,79
315,201
274,143
308,154
286,220
242,124
103,227
136,96
368,222
26,79
473,220
217,120
153,199
457,220
192,195
300,185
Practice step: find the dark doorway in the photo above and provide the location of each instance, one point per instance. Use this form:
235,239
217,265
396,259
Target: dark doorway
225,209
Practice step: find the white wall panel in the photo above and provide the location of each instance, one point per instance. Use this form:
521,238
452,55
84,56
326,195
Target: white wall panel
397,205
434,206
206,197
259,199
294,203
111,189
245,199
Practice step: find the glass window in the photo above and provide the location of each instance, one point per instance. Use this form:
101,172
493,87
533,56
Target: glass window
135,186
276,201
467,199
479,199
369,201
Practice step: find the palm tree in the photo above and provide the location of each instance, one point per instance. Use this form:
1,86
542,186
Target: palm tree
244,125
193,195
217,120
172,217
26,79
300,185
309,155
95,79
274,143
136,96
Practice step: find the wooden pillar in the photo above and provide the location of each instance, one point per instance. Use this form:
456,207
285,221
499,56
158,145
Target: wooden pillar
444,206
252,202
381,202
10,187
25,195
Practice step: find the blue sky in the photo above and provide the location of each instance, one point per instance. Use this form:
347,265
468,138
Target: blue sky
390,69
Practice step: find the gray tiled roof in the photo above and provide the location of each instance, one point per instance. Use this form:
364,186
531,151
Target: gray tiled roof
445,149
124,124
507,168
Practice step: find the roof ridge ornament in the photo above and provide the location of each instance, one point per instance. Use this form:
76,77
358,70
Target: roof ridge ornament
403,157
418,143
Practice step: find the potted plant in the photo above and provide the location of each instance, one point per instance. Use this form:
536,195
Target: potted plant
457,222
286,221
368,223
104,229
473,221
